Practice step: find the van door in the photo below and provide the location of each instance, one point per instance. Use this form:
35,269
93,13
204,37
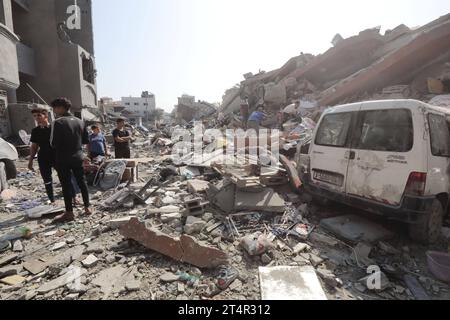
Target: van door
384,154
330,153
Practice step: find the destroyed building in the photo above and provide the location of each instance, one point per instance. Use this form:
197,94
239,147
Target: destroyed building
47,50
188,109
402,63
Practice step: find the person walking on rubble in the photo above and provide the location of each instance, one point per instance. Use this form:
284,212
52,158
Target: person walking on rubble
122,138
68,136
40,145
256,119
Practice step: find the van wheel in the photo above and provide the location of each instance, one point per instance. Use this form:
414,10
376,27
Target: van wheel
429,229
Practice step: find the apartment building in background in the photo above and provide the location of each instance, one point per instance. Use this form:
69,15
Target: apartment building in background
143,106
47,51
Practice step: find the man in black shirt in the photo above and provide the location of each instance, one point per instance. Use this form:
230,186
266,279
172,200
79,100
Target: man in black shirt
68,136
40,139
122,140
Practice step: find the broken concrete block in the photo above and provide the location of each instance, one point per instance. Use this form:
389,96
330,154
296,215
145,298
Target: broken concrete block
58,246
356,229
94,248
169,277
195,207
13,280
266,201
90,261
184,249
71,275
116,223
10,271
222,195
168,217
194,225
113,280
133,285
315,260
8,259
208,216
152,239
290,283
328,277
301,247
34,266
197,186
317,237
361,255
18,247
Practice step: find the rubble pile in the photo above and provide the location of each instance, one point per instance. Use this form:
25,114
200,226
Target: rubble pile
247,230
200,232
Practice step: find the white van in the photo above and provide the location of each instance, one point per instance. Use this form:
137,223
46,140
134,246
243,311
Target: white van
388,157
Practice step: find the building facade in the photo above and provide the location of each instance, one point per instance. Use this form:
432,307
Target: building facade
143,106
47,51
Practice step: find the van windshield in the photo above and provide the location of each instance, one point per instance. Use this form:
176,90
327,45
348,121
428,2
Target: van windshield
386,130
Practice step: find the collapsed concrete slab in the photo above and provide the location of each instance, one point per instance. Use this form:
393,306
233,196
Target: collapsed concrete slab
266,200
184,249
356,229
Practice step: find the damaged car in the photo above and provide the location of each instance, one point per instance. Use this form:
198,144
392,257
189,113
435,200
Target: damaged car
390,158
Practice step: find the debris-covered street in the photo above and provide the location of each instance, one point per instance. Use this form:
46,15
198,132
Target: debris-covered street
152,250
325,179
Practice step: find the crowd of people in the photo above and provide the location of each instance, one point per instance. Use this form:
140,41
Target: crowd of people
64,146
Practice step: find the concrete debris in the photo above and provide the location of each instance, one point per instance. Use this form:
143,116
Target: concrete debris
35,266
253,207
169,277
194,225
355,229
13,280
267,200
90,261
290,283
184,249
69,276
197,186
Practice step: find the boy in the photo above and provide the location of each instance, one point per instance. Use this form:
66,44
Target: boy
122,138
40,139
97,143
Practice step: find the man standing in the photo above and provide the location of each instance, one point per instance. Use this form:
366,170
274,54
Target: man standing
68,136
97,143
40,139
245,113
122,138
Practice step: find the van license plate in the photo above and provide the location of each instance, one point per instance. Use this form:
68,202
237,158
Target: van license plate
334,179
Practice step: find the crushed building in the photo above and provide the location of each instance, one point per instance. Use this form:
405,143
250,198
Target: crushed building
402,63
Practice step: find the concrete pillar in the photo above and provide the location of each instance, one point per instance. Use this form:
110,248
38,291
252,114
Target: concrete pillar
12,96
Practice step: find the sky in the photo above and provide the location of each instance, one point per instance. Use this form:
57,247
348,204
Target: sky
203,47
